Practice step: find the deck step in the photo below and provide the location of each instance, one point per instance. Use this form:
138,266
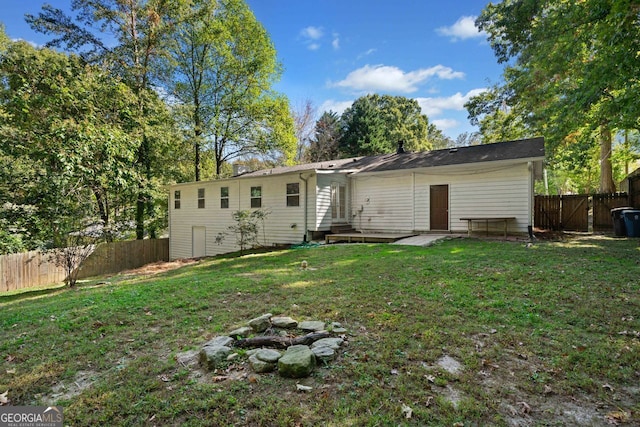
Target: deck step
342,228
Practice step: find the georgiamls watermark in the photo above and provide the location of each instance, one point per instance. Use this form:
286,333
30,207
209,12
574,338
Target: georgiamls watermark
31,416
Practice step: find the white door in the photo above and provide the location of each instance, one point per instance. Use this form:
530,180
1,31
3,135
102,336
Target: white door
198,242
338,202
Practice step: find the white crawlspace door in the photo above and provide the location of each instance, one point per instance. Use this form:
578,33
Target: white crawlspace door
338,202
198,241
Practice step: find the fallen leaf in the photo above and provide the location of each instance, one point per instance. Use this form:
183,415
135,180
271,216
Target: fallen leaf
547,389
430,378
429,400
11,371
617,417
526,409
220,378
301,387
394,372
607,386
407,411
164,378
10,358
4,400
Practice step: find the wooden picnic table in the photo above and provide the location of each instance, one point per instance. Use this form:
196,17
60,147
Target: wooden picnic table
487,220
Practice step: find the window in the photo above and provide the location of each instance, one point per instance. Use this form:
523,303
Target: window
200,198
176,199
224,197
256,197
293,194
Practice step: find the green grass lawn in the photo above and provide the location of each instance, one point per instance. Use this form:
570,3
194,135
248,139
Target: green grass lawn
545,335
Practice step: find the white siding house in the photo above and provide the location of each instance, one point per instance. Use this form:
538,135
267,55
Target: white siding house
401,192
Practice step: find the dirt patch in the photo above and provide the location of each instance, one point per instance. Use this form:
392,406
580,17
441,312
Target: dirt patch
65,391
160,267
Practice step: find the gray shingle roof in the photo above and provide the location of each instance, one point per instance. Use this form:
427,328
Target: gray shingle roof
521,149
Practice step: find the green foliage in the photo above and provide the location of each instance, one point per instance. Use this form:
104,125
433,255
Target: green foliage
128,40
246,228
325,142
66,132
224,68
374,124
570,70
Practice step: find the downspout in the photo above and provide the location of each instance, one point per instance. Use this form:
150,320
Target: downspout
306,206
532,172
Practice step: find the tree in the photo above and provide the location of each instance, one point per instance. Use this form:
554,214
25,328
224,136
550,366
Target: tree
303,119
64,143
225,66
246,228
324,143
374,124
128,38
497,113
570,68
437,138
467,139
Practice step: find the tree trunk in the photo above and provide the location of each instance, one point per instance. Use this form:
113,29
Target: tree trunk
606,171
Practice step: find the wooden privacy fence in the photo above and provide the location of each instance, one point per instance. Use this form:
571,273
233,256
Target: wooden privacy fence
28,270
111,258
571,212
35,269
602,205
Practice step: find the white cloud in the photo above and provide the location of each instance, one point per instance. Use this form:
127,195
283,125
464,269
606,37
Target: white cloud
34,44
336,41
367,53
312,33
337,106
445,124
464,28
435,106
387,78
313,46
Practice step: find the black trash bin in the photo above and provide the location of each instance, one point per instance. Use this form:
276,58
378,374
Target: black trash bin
619,226
632,222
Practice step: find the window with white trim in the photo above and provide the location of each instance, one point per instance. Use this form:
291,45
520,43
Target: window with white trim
176,199
200,198
224,197
293,194
256,197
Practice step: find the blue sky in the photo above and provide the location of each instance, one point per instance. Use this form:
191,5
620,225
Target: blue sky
334,51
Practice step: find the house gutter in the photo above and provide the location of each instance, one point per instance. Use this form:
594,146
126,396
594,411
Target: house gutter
306,205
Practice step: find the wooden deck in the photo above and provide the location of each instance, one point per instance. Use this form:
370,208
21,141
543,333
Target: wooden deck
365,237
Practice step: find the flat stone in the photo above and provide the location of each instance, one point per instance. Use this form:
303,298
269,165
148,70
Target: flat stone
311,325
260,366
242,332
284,322
223,341
268,355
211,357
297,362
324,354
339,330
333,343
262,323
